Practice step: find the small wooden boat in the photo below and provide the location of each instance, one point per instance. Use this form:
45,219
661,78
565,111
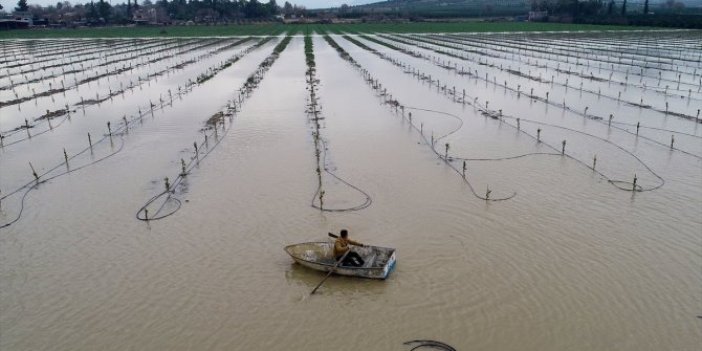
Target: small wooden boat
378,261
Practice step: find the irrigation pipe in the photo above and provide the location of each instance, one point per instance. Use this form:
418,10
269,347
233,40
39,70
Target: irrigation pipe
509,71
488,112
118,132
347,57
539,99
322,162
246,90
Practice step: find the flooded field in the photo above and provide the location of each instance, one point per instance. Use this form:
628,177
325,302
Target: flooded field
543,191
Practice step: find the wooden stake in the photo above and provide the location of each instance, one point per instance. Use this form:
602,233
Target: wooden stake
34,172
594,162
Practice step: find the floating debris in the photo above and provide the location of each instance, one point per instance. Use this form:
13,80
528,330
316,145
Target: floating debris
430,344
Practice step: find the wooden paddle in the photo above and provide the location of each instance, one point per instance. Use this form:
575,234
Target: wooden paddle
331,271
333,268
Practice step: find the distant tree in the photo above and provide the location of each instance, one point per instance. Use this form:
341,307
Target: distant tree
588,7
287,9
254,9
299,10
271,7
676,6
0,6
544,5
180,9
610,7
92,13
22,6
624,8
646,7
104,9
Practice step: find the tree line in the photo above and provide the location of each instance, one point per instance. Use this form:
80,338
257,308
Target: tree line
604,7
670,13
161,11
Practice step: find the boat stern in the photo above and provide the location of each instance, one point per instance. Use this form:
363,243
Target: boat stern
390,266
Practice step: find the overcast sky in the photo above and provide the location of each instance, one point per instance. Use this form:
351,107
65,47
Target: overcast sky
310,4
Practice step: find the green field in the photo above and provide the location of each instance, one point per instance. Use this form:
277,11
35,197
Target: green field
273,29
455,27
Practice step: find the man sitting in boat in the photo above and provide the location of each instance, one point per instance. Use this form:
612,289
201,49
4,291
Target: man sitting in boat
341,246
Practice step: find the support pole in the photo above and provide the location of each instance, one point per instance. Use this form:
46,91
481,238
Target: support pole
594,162
34,172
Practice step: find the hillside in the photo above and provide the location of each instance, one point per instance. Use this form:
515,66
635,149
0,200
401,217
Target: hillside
461,8
447,8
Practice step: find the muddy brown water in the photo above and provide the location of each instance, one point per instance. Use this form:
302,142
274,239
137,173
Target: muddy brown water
570,263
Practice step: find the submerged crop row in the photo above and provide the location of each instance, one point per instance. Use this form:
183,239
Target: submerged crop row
166,203
590,100
102,146
633,184
321,147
